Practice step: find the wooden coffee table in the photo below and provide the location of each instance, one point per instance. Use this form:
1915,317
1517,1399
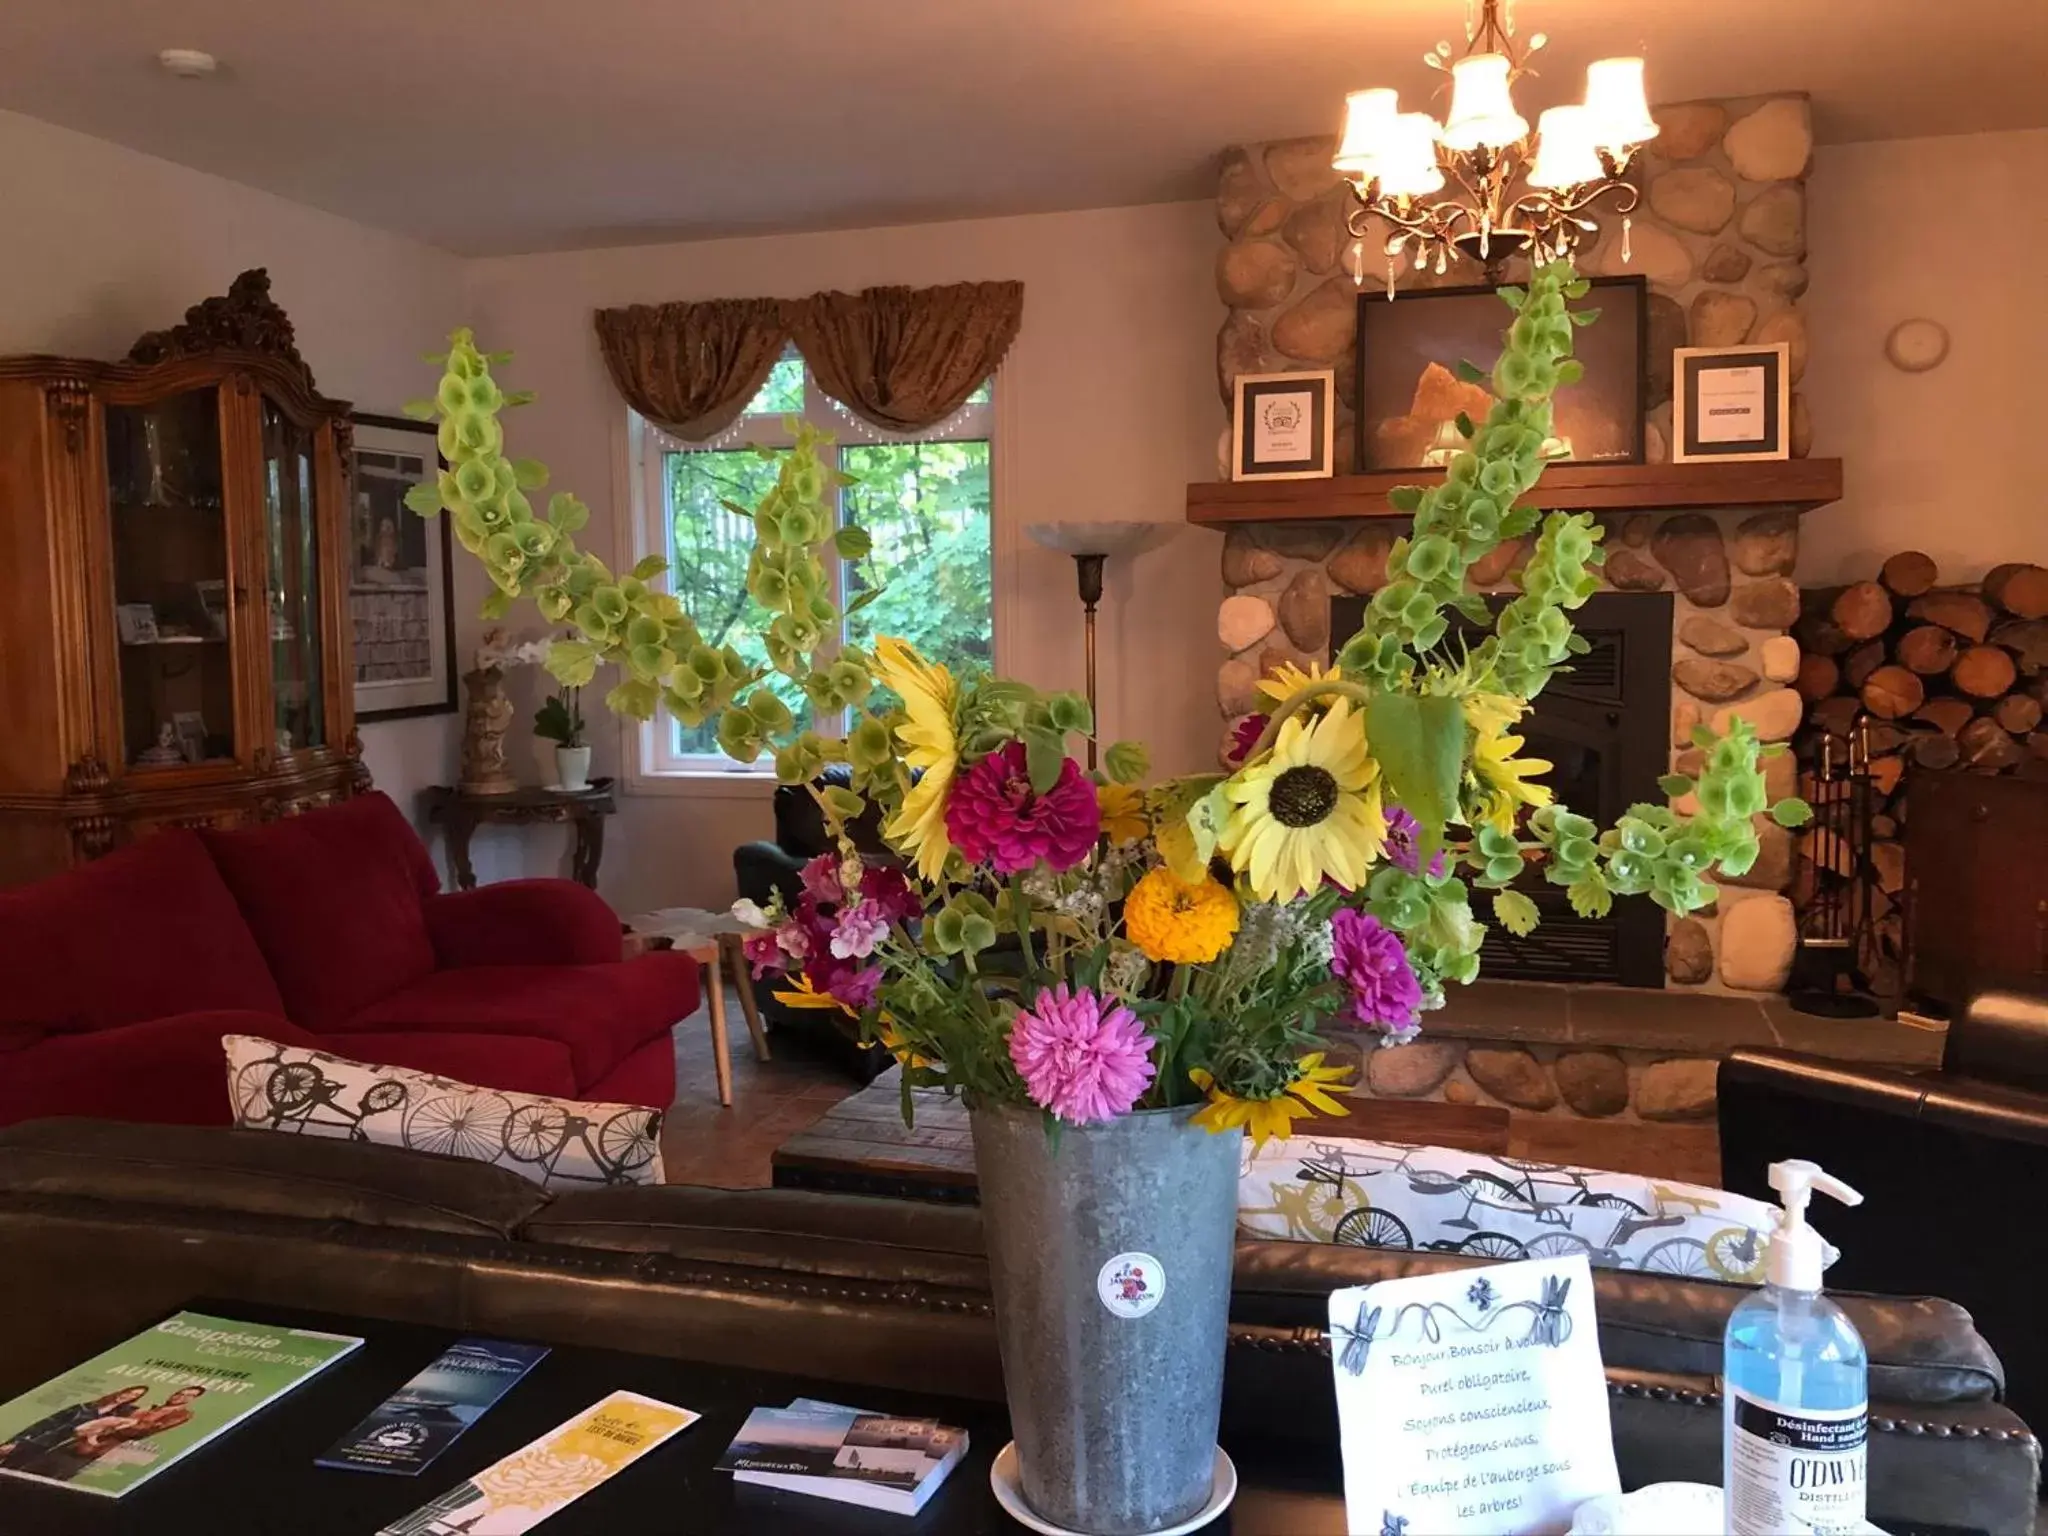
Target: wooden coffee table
861,1146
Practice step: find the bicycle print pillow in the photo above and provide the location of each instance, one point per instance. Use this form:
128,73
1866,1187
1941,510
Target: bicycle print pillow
553,1142
1383,1194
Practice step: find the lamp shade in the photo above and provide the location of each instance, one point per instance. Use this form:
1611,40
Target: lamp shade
1565,155
1368,125
1408,166
1619,111
1483,111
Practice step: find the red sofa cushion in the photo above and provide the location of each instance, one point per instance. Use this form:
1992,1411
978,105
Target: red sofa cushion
602,1013
334,898
512,1063
169,1071
648,1077
149,930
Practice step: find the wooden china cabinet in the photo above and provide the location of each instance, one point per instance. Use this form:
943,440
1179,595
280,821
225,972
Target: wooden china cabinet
175,648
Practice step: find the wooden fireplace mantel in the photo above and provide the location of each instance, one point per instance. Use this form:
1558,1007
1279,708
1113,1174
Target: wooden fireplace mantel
1797,485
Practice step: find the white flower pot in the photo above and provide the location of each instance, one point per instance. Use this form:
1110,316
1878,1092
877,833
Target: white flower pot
572,768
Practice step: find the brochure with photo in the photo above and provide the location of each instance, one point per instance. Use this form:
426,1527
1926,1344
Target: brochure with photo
834,1452
423,1418
111,1424
518,1493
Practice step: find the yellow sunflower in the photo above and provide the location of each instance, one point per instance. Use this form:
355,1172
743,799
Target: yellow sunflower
1172,921
1287,679
1498,780
1311,809
1307,1094
1123,812
929,743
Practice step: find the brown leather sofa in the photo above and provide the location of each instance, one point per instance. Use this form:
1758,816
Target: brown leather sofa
104,1227
1950,1165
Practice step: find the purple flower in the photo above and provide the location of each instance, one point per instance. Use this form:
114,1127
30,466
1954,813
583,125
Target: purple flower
1367,956
857,930
855,986
1403,832
793,940
1080,1059
821,878
995,817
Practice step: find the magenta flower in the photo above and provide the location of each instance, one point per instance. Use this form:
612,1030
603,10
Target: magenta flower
765,951
854,985
885,889
995,818
1368,957
1080,1059
1403,830
821,878
1245,737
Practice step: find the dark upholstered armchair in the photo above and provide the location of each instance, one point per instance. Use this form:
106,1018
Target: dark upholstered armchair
1952,1166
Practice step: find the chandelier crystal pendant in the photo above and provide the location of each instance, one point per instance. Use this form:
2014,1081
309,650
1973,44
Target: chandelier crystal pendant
1517,193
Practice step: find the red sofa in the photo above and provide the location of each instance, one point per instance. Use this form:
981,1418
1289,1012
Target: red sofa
118,979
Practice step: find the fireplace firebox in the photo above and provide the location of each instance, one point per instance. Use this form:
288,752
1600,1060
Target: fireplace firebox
1604,726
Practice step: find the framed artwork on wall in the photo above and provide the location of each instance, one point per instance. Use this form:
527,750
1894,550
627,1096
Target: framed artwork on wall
1409,395
1283,426
401,577
1731,403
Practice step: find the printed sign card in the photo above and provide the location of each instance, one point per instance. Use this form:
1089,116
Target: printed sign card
1472,1403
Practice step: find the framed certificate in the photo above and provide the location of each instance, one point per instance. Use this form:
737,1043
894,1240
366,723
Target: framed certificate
1731,403
1283,426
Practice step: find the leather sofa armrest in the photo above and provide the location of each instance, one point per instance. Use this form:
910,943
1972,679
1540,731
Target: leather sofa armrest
1964,1104
524,922
762,869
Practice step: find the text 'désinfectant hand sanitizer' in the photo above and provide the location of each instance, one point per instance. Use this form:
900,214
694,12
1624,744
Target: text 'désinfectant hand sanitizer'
1796,1395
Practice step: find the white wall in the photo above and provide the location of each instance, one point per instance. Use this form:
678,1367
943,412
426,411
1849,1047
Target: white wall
1107,407
102,244
1954,230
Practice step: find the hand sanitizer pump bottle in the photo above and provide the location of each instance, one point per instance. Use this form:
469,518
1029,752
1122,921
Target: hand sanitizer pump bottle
1796,1393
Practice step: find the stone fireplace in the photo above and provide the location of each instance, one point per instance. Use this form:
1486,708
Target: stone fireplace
1720,236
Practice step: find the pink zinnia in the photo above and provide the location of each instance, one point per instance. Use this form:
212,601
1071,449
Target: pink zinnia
1080,1060
995,818
1368,957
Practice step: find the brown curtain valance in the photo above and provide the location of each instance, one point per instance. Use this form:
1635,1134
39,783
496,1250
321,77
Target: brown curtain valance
691,368
901,359
904,359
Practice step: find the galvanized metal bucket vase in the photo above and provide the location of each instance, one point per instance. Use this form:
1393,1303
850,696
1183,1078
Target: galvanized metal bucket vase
1110,1253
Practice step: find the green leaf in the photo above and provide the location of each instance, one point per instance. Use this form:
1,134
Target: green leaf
853,543
1405,498
572,662
529,474
635,698
1791,813
421,410
496,606
1178,844
647,568
1465,427
863,600
1704,738
1676,784
842,802
518,397
1468,371
424,498
1514,297
1590,897
1516,912
1044,751
566,513
1420,744
1126,762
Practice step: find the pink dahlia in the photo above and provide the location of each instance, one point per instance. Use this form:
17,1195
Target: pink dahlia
995,818
1368,957
1245,737
1082,1060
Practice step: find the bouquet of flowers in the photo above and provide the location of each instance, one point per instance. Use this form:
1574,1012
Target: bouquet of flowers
1092,944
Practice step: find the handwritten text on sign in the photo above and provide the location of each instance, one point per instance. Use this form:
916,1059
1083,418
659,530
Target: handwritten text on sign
1472,1403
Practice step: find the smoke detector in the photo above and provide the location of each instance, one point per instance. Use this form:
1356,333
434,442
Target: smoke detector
188,63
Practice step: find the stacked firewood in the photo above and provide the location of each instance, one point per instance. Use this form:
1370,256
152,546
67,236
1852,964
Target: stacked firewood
1919,675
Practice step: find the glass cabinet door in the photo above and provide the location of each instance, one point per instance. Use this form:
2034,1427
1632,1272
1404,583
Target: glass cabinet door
292,583
171,576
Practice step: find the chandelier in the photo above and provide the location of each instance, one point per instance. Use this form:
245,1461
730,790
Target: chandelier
1518,193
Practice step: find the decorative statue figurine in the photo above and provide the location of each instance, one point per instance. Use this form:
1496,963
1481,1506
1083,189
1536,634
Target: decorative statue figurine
165,752
490,715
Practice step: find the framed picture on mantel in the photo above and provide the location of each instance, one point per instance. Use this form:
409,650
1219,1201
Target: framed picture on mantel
1409,395
1731,403
1283,426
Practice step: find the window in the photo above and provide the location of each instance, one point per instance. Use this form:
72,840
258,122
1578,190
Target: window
925,501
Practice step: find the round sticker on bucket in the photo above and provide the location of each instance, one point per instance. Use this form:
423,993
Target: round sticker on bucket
1131,1284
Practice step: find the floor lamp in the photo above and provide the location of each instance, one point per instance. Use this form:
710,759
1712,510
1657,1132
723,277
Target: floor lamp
1091,545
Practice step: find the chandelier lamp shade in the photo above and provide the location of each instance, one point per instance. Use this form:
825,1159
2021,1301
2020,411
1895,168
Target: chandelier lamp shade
1514,192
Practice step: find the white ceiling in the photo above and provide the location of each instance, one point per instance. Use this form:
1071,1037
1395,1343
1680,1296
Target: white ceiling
491,126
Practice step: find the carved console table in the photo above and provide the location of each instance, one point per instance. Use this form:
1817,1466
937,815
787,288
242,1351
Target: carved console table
461,814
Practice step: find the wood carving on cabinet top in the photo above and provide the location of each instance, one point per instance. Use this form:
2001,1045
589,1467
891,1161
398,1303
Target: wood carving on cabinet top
245,319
